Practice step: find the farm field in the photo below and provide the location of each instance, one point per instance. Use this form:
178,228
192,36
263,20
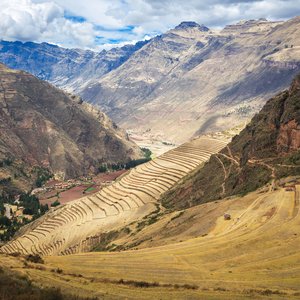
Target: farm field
76,192
77,226
255,255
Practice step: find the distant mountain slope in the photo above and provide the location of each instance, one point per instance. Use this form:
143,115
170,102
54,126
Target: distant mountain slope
192,80
66,68
187,81
42,126
268,148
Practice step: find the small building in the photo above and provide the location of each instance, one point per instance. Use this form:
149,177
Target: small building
7,211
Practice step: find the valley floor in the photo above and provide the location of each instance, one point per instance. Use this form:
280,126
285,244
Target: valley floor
255,255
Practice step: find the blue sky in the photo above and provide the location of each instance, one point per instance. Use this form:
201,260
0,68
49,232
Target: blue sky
102,24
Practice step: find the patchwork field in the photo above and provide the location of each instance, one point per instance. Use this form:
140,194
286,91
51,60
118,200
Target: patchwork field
255,255
77,226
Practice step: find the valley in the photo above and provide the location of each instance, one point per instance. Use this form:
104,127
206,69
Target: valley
165,168
129,199
188,81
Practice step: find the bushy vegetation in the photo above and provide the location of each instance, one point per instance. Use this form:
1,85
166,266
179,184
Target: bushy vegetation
106,167
105,240
34,258
31,206
117,167
55,203
43,175
147,152
6,162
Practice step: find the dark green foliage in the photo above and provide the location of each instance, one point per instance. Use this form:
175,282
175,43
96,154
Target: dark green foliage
130,164
34,259
43,175
30,203
146,284
4,221
31,207
55,203
106,239
5,180
102,169
2,208
6,162
136,162
147,152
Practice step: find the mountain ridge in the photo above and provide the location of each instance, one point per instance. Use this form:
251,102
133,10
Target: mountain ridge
43,126
202,79
265,151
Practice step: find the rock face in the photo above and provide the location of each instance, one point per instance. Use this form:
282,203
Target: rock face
186,82
268,148
41,125
66,68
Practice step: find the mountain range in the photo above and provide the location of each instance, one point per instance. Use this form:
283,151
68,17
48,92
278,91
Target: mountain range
191,77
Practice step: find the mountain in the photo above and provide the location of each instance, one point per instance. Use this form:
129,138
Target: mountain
185,82
267,150
200,80
42,126
71,69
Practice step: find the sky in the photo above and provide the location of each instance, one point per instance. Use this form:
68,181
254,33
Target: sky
103,24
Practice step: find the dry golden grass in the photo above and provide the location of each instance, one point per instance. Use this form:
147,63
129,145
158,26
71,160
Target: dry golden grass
255,255
75,226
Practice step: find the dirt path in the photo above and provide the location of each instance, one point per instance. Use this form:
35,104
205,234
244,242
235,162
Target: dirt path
225,175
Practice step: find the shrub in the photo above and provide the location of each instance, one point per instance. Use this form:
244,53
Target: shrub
55,203
34,259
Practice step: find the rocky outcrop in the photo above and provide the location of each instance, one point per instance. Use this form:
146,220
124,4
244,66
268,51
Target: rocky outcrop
289,137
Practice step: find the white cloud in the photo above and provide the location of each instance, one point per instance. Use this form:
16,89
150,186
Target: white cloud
109,21
27,21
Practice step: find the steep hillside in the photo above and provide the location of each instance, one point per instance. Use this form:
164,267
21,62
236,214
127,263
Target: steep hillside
268,148
200,80
255,255
66,68
42,126
132,198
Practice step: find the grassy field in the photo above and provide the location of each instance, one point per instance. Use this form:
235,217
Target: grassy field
255,255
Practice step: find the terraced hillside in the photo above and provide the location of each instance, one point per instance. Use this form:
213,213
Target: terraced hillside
77,226
255,255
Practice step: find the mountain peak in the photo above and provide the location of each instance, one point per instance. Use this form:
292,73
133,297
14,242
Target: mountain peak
191,24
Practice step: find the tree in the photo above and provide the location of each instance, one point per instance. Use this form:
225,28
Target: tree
4,221
55,203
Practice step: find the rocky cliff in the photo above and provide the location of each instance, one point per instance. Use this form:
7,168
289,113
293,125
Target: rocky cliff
266,150
42,126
